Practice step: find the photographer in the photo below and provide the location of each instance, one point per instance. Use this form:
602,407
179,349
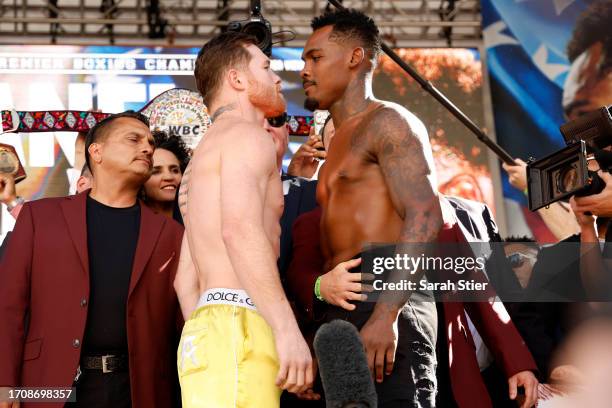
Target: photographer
589,85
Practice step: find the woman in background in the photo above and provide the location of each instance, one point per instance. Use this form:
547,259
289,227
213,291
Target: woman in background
170,160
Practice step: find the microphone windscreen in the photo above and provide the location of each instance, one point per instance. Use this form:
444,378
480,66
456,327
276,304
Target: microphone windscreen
343,366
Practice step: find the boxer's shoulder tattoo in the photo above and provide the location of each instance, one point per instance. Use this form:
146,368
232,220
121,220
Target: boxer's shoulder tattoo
361,138
221,111
401,156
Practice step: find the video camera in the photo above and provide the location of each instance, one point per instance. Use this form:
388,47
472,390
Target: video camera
565,173
257,26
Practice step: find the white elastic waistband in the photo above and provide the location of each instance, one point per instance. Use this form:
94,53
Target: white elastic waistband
223,296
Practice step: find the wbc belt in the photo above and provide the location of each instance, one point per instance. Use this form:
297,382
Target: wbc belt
82,121
177,110
168,111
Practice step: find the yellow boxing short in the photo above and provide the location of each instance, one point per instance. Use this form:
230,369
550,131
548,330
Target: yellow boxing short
227,355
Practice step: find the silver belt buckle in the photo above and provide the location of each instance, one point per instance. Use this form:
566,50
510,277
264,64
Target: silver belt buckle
105,364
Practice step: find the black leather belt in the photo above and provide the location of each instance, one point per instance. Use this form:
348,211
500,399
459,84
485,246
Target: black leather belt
107,364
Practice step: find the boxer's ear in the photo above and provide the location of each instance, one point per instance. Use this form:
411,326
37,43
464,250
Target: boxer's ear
236,79
357,57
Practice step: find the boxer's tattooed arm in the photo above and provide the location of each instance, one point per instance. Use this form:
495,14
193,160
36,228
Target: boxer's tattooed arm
402,157
184,191
402,151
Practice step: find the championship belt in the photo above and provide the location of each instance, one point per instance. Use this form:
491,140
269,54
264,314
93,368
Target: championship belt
176,111
179,112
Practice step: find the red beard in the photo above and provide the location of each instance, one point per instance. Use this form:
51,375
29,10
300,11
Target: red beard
268,99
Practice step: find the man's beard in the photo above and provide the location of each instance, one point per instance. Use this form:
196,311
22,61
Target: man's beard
266,98
311,104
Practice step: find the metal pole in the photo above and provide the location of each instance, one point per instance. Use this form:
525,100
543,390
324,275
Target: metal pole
440,97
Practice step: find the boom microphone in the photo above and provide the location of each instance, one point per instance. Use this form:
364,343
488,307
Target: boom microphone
343,366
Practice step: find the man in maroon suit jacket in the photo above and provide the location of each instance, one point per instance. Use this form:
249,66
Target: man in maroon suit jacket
499,334
55,276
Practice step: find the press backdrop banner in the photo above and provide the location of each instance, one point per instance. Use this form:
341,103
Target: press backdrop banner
114,79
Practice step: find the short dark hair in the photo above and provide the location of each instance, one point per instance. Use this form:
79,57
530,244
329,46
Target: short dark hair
99,132
223,51
352,24
174,144
593,26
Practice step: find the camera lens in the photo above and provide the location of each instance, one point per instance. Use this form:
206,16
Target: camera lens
568,179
